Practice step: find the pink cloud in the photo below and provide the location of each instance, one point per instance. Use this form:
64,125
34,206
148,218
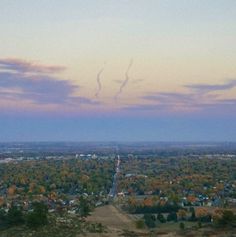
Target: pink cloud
23,66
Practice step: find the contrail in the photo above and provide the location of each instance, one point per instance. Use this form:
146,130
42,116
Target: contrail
124,83
99,82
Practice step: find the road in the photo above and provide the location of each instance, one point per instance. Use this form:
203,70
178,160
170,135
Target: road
113,191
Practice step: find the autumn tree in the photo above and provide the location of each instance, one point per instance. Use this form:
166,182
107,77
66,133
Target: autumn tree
182,214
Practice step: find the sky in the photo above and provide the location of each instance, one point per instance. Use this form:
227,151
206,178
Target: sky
126,70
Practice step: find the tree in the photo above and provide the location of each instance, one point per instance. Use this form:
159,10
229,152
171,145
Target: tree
201,212
199,224
14,216
227,218
1,201
161,218
193,215
203,215
172,217
182,214
2,218
147,202
149,220
11,190
84,207
181,226
38,217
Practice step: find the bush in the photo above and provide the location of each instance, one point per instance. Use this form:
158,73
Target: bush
95,228
172,217
140,224
181,226
149,220
199,224
161,218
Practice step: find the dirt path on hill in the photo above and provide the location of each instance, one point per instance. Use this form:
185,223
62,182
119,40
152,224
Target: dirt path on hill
113,219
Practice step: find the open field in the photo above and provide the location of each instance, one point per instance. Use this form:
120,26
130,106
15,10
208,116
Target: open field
114,220
121,224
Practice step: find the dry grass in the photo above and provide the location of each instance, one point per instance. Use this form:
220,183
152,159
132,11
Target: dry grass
113,219
121,224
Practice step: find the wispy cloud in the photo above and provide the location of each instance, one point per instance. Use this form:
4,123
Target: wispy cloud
22,66
145,107
211,107
99,83
26,81
212,87
125,82
134,81
170,97
199,97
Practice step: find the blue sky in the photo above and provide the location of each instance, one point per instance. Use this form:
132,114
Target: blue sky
158,70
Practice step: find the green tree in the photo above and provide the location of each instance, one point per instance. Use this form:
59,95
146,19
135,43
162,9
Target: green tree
181,226
38,217
149,220
84,207
161,218
2,218
228,218
14,216
193,215
172,217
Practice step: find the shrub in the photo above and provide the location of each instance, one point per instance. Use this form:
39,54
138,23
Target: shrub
149,220
140,224
161,218
181,226
172,217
